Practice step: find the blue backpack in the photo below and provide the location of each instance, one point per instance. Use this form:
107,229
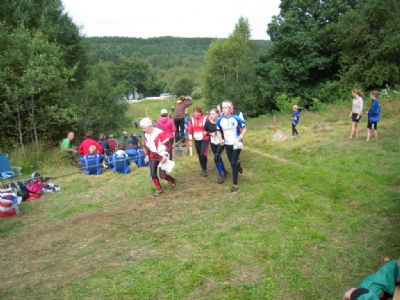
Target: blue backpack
92,163
120,164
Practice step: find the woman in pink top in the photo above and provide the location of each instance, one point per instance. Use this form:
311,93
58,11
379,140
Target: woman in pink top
167,125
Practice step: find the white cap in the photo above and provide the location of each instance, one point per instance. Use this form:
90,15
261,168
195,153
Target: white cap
145,122
164,111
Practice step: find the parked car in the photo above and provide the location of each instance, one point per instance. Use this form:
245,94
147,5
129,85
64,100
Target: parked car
167,96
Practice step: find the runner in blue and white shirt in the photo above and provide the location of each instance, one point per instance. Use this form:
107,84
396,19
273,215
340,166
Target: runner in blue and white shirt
230,131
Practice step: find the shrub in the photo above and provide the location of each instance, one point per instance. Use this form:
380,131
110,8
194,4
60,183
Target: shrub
284,102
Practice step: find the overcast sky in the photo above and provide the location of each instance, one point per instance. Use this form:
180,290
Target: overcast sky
180,18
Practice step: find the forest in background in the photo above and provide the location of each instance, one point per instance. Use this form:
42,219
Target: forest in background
173,60
52,79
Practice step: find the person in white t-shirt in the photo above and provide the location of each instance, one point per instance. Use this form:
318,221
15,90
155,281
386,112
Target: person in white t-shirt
356,111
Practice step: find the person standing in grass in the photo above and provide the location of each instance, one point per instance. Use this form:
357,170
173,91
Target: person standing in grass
179,117
374,114
356,111
230,131
295,119
166,124
211,130
197,132
156,145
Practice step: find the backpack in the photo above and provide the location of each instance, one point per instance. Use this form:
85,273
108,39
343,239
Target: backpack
35,189
8,207
120,164
92,165
22,191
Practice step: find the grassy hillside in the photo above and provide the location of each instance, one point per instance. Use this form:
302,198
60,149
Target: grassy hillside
313,216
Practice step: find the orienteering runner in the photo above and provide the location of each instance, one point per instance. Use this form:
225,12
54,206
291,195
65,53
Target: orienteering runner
231,137
201,140
156,145
211,130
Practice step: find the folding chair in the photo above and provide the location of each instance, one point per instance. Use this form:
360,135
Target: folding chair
7,171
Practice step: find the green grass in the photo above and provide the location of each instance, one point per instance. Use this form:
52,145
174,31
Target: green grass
314,215
152,109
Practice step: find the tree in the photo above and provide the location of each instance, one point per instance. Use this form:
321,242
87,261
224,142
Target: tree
304,55
184,86
230,70
370,45
137,76
33,78
100,105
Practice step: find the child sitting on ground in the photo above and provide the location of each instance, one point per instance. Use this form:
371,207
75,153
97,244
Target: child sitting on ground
120,160
92,162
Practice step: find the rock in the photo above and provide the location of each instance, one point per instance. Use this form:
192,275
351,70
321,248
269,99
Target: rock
321,127
279,136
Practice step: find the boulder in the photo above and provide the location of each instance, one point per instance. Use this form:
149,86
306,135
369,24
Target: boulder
321,127
279,136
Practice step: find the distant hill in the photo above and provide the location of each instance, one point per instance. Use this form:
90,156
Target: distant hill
160,52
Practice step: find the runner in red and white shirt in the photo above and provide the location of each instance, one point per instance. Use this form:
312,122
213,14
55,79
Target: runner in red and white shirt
156,145
201,139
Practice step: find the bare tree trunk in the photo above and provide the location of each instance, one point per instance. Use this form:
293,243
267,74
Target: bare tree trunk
21,141
35,136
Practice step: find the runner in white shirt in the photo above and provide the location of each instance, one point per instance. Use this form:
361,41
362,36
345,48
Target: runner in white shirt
230,131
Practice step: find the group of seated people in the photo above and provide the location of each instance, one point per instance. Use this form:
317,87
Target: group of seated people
108,154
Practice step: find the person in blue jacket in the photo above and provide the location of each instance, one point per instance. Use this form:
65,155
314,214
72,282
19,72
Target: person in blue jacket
295,119
374,114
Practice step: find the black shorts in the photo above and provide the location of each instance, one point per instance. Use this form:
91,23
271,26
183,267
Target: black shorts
372,125
354,117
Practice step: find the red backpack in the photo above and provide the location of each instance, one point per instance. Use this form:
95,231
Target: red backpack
35,189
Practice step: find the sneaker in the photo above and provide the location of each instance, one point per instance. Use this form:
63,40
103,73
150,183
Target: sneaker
173,186
205,173
220,180
240,169
234,188
158,193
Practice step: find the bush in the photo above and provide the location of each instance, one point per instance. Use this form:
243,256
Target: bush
35,158
196,94
315,104
284,102
330,92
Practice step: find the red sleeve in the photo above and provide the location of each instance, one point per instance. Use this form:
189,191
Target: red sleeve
80,149
99,147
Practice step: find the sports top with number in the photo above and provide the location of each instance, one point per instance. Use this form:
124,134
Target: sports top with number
196,127
230,128
156,143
